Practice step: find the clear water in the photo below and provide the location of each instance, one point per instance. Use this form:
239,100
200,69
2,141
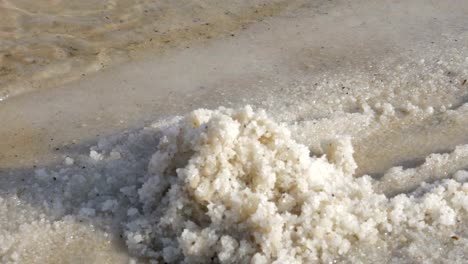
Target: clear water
48,42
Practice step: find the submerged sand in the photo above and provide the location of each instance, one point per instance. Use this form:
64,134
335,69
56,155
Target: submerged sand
360,155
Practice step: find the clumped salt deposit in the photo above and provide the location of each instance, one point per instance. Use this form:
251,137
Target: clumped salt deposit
234,186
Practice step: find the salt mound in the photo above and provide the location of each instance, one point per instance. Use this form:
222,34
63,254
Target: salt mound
232,186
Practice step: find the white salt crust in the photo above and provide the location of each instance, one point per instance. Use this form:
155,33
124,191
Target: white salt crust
234,186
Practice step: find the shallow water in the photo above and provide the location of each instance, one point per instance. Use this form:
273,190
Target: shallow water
49,42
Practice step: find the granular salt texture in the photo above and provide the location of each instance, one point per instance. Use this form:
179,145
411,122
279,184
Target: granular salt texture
232,186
